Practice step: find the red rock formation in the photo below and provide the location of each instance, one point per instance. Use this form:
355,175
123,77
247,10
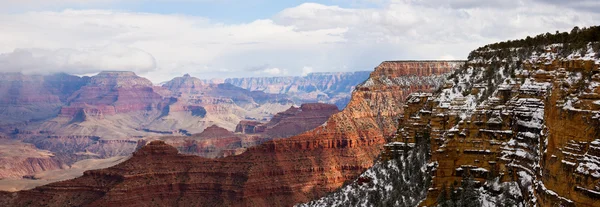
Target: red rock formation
18,159
297,120
277,173
25,98
213,132
110,93
210,143
290,122
250,127
17,167
222,104
393,69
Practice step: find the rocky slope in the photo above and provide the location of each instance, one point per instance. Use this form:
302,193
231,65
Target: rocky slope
77,118
290,122
213,142
276,173
29,98
520,115
19,159
333,88
111,93
516,126
197,105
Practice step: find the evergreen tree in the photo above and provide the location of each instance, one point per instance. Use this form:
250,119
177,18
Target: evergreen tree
443,197
469,195
508,199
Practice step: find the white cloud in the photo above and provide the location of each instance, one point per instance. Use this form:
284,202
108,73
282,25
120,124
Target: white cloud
89,60
447,57
273,72
328,38
306,70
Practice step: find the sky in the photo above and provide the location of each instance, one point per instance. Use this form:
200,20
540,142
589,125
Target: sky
162,39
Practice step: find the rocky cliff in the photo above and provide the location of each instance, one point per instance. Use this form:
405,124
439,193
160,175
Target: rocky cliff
517,125
213,142
521,122
290,122
111,93
276,173
333,88
106,115
27,98
196,105
19,159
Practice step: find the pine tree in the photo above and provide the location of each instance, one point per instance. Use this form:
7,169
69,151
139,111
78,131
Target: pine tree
443,197
469,196
508,199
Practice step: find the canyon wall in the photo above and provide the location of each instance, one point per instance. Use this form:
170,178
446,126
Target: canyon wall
30,98
20,159
281,172
333,88
525,130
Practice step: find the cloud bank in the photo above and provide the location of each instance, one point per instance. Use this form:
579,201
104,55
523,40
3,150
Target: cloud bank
305,38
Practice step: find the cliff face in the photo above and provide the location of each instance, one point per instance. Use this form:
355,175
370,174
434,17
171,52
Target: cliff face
25,98
276,173
111,93
333,88
525,129
221,104
290,122
213,142
20,159
106,115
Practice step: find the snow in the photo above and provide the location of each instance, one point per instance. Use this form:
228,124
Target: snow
597,193
495,120
551,193
479,169
400,144
568,163
385,180
368,83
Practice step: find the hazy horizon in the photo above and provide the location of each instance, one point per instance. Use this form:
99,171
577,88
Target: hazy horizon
161,39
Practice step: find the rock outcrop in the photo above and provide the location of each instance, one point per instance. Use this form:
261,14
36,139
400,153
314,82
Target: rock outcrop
197,104
111,93
213,142
276,173
27,98
531,124
290,122
250,127
19,159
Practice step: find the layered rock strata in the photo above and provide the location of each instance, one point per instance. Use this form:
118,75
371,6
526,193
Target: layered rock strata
534,127
276,173
333,88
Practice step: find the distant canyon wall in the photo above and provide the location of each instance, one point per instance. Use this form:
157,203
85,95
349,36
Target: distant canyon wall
281,172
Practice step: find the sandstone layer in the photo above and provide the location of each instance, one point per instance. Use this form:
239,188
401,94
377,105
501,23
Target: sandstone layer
27,98
290,122
532,124
276,173
19,159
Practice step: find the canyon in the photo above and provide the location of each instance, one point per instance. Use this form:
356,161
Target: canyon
298,169
516,124
78,118
534,128
334,87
